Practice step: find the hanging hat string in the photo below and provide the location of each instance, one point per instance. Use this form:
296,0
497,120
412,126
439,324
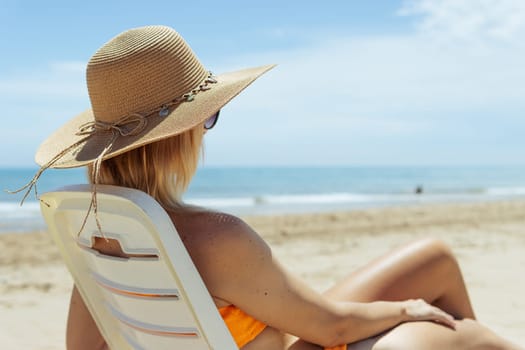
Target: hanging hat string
32,183
88,129
93,206
118,129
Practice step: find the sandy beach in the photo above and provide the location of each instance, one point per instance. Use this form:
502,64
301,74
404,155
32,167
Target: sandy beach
488,238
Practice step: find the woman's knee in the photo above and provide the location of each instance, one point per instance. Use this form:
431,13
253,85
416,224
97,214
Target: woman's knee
435,250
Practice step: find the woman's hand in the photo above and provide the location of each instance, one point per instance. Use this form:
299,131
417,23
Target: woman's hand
420,310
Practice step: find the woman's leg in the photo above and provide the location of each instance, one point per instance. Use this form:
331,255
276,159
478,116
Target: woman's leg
425,269
469,334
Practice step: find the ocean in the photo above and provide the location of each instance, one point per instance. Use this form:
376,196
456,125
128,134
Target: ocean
269,190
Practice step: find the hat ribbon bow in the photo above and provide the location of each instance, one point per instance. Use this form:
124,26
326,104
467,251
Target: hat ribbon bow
136,121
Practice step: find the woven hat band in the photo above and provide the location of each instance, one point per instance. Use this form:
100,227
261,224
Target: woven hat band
141,70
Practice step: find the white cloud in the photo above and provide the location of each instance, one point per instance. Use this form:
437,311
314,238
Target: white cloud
401,76
457,82
37,101
470,20
69,66
61,79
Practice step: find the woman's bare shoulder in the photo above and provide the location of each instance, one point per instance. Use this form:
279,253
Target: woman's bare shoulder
215,235
225,233
221,246
205,224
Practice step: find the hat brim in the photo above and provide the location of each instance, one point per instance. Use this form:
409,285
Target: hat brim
77,150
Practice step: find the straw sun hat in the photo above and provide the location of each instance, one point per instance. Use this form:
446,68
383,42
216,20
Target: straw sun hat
145,85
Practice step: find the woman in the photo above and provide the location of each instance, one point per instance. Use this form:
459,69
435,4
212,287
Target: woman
152,102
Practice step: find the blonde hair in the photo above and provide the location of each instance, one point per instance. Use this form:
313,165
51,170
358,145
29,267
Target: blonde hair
163,169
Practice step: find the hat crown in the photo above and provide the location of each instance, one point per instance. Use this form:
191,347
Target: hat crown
139,71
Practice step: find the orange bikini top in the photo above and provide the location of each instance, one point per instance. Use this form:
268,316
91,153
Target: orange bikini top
244,328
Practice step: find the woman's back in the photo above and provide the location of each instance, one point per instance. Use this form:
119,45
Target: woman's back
212,239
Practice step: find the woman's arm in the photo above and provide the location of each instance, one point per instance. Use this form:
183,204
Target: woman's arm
367,319
82,332
238,266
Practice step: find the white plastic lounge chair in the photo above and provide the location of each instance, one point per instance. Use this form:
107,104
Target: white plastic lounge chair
153,300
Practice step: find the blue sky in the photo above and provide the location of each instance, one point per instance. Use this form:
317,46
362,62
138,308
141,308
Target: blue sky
430,82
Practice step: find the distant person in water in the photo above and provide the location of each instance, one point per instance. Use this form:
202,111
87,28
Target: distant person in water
152,103
418,189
